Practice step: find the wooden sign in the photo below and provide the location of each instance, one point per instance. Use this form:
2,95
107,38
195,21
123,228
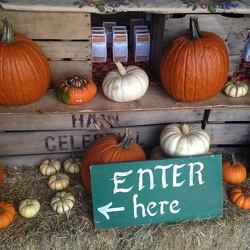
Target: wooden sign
156,191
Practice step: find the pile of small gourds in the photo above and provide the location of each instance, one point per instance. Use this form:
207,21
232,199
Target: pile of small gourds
61,202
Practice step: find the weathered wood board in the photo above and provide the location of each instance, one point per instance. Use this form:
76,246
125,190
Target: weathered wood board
97,121
63,36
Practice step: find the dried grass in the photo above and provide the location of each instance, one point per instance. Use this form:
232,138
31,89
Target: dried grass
75,231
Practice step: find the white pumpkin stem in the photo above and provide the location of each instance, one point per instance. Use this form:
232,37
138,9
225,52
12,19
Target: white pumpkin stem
185,129
121,69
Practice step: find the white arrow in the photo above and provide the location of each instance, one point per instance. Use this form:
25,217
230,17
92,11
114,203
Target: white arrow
106,209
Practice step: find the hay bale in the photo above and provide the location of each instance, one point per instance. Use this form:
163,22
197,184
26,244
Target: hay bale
75,230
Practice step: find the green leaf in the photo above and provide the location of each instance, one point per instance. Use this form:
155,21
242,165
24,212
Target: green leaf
212,8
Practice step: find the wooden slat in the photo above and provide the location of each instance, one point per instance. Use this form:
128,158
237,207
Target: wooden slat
66,49
50,25
155,99
42,142
94,121
223,134
230,115
61,68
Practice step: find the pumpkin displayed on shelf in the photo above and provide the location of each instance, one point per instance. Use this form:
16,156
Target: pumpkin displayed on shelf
75,89
50,166
62,202
195,66
7,213
125,84
28,208
24,71
109,149
72,165
179,140
157,153
233,172
240,197
1,174
58,181
235,88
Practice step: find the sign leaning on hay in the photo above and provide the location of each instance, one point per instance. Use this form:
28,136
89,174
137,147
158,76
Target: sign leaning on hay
156,191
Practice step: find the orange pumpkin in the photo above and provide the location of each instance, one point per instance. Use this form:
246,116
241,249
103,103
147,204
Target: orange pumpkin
195,66
1,174
233,172
109,149
240,197
75,89
157,153
24,68
7,213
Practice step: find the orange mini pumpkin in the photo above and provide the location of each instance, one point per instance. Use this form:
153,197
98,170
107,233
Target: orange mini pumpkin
240,197
24,68
195,66
233,172
109,149
7,213
75,89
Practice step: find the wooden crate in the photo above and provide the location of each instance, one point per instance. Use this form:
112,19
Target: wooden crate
63,36
48,128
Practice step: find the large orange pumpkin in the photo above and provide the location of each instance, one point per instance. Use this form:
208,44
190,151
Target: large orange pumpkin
109,149
195,66
24,68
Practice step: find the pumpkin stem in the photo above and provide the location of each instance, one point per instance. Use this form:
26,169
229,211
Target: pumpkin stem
194,29
185,129
233,163
126,139
121,69
8,32
76,81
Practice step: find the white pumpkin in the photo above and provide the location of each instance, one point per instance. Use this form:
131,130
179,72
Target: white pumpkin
50,166
72,165
178,140
58,181
62,202
235,88
125,84
29,207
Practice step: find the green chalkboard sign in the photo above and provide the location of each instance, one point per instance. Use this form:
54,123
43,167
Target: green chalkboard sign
156,191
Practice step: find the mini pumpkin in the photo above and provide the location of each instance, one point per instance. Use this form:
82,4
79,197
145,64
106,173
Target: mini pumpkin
50,166
72,165
58,181
24,71
28,208
179,140
233,172
108,149
7,213
62,202
1,174
235,88
125,84
75,89
240,197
